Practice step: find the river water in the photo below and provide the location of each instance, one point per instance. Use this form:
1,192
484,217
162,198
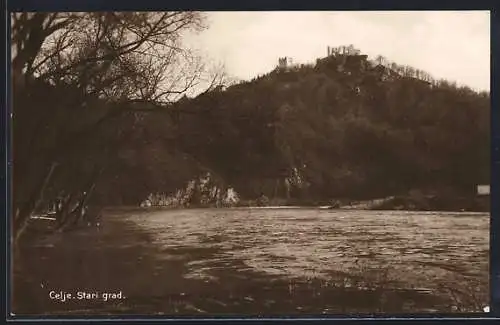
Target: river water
442,253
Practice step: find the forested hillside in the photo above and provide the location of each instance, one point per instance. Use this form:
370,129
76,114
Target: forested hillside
341,129
100,117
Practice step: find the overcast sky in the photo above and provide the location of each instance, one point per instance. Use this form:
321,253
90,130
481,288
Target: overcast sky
454,45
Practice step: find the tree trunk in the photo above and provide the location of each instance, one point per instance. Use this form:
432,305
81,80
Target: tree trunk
195,193
77,211
64,213
276,187
33,37
288,188
24,214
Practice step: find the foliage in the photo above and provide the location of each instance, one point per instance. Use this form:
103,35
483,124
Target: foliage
348,133
79,81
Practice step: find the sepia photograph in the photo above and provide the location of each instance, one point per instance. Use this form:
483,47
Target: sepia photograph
260,163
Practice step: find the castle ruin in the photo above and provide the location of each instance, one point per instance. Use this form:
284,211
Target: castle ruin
342,50
285,63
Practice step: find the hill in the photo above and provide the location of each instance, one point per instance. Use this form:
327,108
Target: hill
344,128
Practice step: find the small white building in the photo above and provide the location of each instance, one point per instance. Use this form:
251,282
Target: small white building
483,190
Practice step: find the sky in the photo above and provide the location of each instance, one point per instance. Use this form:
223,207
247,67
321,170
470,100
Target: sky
453,45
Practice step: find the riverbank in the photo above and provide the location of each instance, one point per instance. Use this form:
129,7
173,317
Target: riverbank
391,203
415,200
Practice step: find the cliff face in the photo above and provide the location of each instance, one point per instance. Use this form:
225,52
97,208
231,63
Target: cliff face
199,192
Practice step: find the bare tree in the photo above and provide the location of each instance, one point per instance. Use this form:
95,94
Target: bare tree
381,60
112,57
418,74
410,71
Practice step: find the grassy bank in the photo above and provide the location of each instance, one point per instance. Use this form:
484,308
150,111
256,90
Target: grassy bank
436,203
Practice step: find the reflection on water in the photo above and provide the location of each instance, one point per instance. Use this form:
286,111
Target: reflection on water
419,250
